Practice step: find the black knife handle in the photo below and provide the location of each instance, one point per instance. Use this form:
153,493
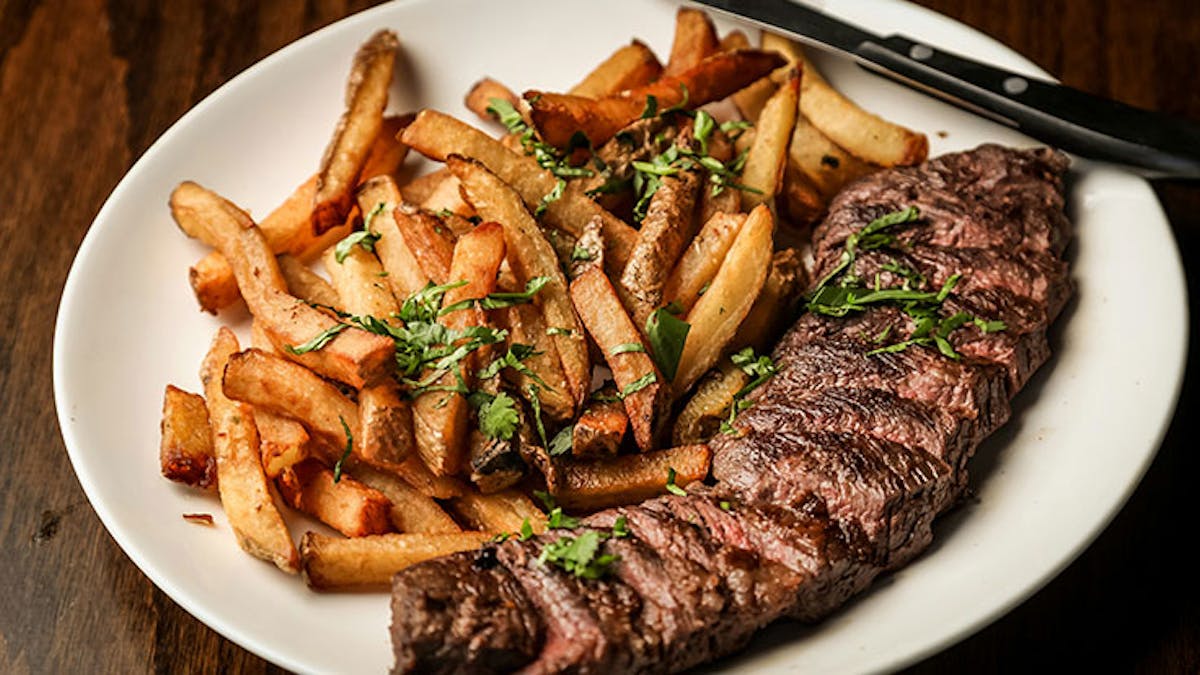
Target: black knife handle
1068,118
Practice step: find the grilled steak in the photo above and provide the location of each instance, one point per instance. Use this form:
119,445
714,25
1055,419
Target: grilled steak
837,469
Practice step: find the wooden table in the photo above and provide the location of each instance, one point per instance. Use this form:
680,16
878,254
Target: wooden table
86,86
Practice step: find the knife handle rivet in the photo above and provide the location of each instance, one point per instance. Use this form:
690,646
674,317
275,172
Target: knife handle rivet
920,52
1015,85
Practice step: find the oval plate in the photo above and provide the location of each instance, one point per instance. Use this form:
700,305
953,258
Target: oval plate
1082,434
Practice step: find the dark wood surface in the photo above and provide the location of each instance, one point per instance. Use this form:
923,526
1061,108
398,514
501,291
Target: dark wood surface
86,86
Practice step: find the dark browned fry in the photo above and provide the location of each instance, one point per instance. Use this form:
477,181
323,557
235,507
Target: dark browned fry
186,453
601,425
629,479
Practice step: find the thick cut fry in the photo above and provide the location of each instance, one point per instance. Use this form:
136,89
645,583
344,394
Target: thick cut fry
700,262
428,240
331,563
722,308
866,135
631,66
411,510
387,152
499,512
559,116
530,256
695,40
437,136
669,225
447,198
600,427
440,417
360,283
639,383
701,418
378,198
417,190
775,308
526,326
414,472
480,96
629,479
339,501
763,172
385,417
821,161
245,495
282,441
186,453
291,390
306,284
359,126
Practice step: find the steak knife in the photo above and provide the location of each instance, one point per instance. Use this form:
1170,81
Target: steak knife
1154,144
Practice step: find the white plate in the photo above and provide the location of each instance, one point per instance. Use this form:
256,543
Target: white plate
1084,431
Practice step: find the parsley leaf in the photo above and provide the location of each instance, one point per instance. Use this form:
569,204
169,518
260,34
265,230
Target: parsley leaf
364,238
760,369
626,347
562,443
318,341
579,555
557,520
581,254
526,530
498,417
337,467
667,336
671,486
651,108
638,385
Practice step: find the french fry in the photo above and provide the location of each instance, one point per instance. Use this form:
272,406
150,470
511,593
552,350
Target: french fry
826,166
774,309
305,284
411,510
701,418
718,313
559,116
245,496
630,478
427,238
496,464
360,124
417,190
291,390
530,256
526,326
667,228
437,136
499,512
695,40
642,387
440,418
282,441
385,417
387,152
414,472
866,135
447,197
379,197
700,262
337,500
763,172
600,427
479,97
631,66
186,453
360,283
733,40
331,563
213,284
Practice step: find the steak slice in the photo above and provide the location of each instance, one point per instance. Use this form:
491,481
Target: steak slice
462,613
990,197
891,492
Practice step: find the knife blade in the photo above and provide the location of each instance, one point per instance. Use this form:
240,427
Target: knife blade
1154,144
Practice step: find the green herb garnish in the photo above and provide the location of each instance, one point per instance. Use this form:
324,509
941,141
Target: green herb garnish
562,443
671,486
626,348
337,467
498,417
667,335
318,341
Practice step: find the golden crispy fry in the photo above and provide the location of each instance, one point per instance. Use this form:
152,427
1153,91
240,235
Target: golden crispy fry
721,309
293,391
305,284
631,66
669,225
526,326
359,126
733,40
428,239
360,283
695,40
447,197
186,454
282,441
332,563
630,478
378,198
338,500
440,417
437,136
530,256
866,135
763,172
245,496
700,262
499,512
826,166
559,116
417,190
411,510
774,310
601,426
701,418
414,472
387,152
642,387
480,96
212,281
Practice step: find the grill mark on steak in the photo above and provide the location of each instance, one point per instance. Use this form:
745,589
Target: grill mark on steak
844,461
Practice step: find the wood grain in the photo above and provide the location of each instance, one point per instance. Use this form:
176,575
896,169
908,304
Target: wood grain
86,86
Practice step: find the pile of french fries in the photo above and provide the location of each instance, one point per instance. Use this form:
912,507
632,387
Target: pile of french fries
565,312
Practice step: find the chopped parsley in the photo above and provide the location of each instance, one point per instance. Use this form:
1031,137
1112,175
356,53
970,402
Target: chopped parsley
671,486
581,555
557,520
620,528
546,155
337,467
626,348
667,335
364,238
318,341
760,369
513,358
562,442
526,530
638,385
536,404
581,254
498,417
